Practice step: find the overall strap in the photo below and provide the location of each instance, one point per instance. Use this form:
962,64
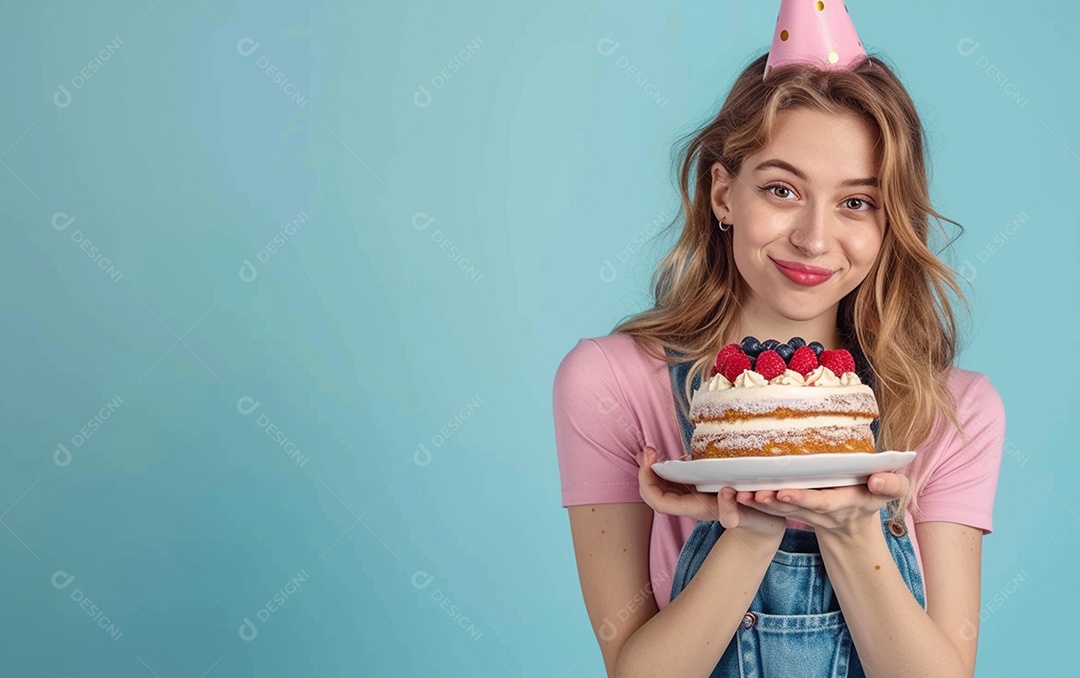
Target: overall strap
678,372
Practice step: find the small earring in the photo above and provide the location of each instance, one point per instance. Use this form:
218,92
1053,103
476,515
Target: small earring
725,227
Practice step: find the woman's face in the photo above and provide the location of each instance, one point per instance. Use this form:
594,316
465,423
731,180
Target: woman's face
806,214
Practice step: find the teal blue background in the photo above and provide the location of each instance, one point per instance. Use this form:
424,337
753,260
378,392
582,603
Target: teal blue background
361,337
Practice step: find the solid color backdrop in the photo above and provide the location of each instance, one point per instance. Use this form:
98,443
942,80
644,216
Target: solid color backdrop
286,284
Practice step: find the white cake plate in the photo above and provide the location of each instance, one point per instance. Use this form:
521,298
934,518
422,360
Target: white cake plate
802,471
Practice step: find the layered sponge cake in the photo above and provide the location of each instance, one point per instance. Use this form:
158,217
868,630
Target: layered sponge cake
771,399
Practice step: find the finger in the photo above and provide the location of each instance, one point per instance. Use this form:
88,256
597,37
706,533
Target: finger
821,501
767,504
644,457
651,486
728,513
647,477
891,485
764,496
771,499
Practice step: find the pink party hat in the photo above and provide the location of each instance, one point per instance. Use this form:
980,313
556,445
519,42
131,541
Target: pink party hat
817,33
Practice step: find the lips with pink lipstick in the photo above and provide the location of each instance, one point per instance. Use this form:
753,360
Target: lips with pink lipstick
802,274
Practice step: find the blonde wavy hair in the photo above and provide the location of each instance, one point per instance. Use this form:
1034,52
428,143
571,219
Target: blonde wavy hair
899,322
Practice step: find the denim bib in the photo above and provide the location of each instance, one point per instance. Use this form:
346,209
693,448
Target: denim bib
794,626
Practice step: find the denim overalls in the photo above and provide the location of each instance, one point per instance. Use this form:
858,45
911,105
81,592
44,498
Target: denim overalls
794,626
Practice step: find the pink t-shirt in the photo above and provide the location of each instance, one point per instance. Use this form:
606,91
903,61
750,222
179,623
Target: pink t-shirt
611,400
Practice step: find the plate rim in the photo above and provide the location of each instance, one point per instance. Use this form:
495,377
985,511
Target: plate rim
830,455
714,473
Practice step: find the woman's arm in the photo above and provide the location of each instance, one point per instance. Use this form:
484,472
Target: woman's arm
894,636
611,544
688,637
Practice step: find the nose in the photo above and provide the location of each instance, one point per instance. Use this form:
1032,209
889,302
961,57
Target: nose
809,230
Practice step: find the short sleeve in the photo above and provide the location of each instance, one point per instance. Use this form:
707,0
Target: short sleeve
963,483
597,435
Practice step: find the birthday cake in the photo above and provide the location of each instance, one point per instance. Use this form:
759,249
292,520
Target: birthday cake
770,399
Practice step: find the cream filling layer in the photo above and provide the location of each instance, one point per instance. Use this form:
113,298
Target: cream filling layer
778,424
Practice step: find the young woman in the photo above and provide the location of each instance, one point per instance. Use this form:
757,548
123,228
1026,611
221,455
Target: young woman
806,214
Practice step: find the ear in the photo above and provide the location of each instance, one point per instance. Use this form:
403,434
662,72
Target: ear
720,193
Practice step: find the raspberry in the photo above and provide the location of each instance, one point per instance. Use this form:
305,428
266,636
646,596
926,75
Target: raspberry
735,365
804,360
770,364
724,354
839,361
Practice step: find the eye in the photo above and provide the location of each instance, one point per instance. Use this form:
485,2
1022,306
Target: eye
779,191
859,204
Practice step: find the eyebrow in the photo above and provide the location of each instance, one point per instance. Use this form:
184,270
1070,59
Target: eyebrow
788,167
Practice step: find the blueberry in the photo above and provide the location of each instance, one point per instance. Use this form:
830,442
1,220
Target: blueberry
769,345
785,351
751,347
796,342
818,348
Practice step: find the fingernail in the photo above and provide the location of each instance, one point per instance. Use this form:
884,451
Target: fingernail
877,483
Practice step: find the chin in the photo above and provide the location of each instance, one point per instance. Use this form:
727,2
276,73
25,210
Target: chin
806,312
802,317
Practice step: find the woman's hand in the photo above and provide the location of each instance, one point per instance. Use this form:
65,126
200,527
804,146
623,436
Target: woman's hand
674,499
844,510
683,500
736,514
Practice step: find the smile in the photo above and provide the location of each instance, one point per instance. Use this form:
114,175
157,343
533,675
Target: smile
802,274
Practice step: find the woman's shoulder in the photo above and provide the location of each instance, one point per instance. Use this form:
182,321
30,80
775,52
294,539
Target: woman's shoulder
970,388
977,403
619,352
612,360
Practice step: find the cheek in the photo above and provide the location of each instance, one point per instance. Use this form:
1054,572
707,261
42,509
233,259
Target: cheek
746,246
864,249
755,234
